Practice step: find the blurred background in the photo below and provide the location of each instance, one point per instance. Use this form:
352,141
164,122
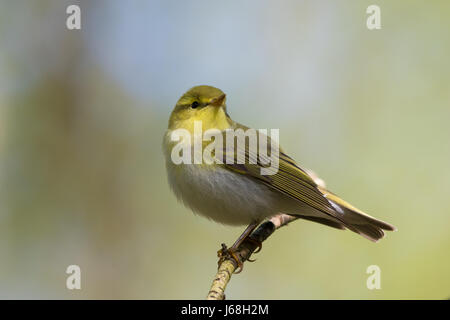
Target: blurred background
83,113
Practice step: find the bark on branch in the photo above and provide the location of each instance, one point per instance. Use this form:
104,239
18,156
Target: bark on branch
245,250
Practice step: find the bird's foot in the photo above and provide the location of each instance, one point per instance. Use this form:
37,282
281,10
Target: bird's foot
224,253
256,242
258,247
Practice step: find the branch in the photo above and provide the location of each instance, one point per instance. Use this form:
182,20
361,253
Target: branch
244,251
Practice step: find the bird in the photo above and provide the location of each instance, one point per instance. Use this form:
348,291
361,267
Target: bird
233,193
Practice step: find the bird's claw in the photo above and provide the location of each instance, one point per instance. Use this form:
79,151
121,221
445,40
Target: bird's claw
226,253
258,249
257,243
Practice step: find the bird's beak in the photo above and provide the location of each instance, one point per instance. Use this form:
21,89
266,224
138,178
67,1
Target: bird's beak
217,102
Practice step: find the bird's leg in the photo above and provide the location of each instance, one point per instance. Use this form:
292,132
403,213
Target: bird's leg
244,235
226,252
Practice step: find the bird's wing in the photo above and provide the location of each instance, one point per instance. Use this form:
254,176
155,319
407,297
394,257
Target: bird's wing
288,179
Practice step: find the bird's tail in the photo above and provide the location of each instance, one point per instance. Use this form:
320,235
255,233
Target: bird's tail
356,220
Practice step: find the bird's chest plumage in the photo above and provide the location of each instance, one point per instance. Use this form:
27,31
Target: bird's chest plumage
221,195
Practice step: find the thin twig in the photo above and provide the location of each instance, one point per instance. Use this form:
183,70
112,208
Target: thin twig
244,251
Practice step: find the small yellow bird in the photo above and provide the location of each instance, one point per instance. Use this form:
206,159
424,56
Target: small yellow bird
238,194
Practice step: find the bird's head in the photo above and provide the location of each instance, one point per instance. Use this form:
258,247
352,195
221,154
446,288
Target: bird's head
200,103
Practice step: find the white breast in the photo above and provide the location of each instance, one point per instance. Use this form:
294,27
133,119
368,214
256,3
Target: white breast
221,195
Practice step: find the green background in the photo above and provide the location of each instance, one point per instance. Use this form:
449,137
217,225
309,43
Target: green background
83,113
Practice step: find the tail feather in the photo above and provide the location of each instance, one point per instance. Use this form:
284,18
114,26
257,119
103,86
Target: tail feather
326,221
351,217
356,220
368,231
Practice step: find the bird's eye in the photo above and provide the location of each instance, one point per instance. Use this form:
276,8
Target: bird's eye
195,104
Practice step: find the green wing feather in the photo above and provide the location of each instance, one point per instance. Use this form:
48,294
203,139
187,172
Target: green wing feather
290,179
